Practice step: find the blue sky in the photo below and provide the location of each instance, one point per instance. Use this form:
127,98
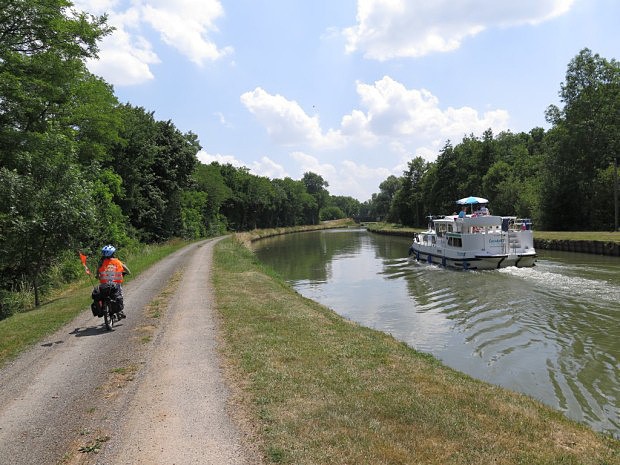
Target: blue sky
351,90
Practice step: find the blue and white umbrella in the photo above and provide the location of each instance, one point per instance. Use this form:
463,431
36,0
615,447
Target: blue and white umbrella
471,200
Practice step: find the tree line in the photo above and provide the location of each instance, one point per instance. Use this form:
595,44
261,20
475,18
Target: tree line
562,178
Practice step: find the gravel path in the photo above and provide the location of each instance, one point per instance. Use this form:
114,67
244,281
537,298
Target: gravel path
149,392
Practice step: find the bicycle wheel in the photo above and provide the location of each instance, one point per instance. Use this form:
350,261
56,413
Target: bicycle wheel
107,317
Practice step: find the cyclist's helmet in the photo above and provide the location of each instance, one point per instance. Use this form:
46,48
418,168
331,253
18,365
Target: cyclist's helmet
108,251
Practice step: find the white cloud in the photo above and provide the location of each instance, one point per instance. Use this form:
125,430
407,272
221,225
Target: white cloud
222,119
404,121
354,179
348,178
208,158
394,111
310,163
185,25
124,59
264,167
285,121
126,56
269,168
389,29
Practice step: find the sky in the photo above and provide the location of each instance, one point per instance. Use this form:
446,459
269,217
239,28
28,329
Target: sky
350,90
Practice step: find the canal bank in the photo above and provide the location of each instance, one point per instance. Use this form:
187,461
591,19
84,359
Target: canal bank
582,242
319,388
570,245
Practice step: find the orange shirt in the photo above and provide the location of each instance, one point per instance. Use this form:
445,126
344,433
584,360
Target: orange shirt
111,271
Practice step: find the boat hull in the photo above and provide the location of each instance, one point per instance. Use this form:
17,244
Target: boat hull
465,261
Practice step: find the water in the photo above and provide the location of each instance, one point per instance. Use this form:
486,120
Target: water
551,331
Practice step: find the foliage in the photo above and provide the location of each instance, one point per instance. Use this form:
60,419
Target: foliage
332,213
315,186
582,144
349,206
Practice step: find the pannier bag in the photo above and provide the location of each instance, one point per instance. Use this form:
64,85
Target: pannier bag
102,292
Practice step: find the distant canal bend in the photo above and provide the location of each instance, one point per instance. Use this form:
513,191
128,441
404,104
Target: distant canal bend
551,331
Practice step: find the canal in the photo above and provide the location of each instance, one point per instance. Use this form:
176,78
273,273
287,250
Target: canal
551,331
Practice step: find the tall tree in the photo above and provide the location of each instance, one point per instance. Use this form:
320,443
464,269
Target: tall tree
383,208
47,201
156,162
316,187
44,212
209,179
582,143
408,201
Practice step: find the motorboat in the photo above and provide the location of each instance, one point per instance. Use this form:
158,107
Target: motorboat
476,240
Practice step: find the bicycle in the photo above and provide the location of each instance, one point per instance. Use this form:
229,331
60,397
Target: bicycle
105,304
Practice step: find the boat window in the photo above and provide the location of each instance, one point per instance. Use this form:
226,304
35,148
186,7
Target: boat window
455,241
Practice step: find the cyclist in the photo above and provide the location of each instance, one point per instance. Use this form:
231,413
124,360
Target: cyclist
111,271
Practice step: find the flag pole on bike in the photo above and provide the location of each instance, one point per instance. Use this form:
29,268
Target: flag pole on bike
83,260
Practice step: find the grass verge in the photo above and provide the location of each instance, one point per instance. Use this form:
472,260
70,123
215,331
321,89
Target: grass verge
24,329
392,229
600,236
323,390
251,236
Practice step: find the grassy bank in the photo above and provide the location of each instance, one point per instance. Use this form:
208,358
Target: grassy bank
323,390
251,236
603,236
24,329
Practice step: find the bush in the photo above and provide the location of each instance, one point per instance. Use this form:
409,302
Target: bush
16,301
331,213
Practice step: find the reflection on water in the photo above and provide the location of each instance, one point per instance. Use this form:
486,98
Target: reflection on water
551,331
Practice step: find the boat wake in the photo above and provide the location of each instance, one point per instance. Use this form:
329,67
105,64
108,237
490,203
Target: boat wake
551,280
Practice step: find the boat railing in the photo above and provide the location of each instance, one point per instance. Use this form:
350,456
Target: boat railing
512,223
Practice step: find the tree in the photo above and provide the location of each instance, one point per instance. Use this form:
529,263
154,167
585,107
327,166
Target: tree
382,201
47,202
444,188
408,203
315,186
156,162
332,212
349,206
582,142
209,179
46,211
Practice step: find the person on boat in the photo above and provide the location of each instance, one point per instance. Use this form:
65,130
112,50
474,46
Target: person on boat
463,212
483,210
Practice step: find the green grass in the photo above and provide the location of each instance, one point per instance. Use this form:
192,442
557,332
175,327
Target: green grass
323,390
27,328
257,234
392,229
604,236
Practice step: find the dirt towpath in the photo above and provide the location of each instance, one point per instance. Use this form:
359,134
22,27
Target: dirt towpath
149,392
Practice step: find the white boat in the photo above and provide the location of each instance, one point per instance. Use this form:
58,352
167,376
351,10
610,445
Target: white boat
476,241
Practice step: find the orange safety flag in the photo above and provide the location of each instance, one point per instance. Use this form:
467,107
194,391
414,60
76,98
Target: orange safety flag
83,259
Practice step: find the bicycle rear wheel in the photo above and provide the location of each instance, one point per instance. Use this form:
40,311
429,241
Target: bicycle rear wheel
107,316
